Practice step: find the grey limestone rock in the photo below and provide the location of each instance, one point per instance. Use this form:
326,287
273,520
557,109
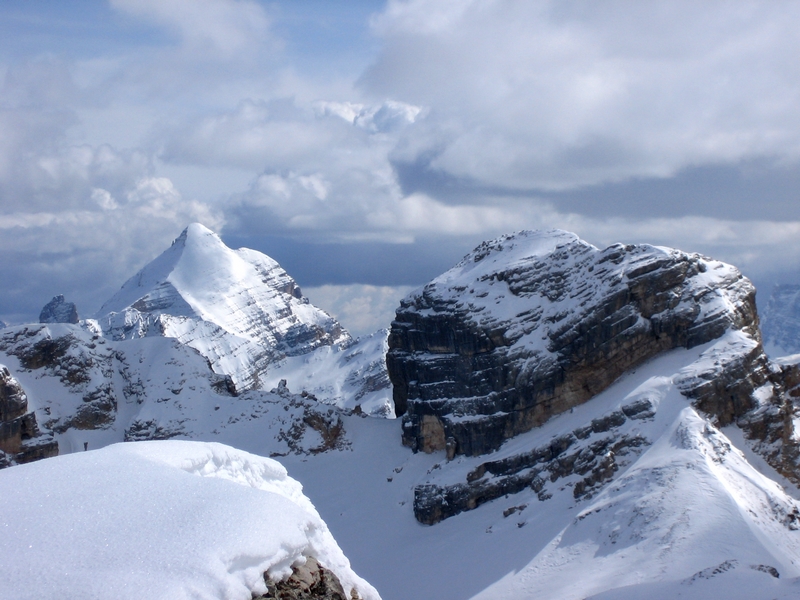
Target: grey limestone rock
82,366
59,310
530,325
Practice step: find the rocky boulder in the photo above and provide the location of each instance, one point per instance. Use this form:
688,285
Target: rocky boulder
59,310
530,325
309,581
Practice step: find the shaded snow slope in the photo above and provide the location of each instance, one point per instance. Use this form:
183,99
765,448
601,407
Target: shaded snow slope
238,308
165,520
349,377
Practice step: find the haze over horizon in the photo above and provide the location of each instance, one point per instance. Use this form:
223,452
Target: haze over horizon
368,145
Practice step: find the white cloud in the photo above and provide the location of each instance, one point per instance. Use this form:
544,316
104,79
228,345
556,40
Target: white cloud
555,94
212,27
361,309
89,252
99,152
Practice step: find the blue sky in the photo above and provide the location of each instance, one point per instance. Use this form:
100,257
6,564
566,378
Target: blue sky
368,145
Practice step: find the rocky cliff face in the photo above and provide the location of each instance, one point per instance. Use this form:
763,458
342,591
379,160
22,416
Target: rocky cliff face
21,440
729,379
530,325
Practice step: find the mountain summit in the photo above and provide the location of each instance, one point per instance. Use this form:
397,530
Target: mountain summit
238,308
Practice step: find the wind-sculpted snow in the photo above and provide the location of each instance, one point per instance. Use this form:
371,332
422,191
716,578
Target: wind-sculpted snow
156,520
238,308
532,324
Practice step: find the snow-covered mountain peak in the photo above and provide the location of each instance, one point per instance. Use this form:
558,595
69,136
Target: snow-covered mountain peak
193,276
238,308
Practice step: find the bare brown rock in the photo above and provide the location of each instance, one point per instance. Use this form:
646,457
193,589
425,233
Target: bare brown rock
310,581
21,440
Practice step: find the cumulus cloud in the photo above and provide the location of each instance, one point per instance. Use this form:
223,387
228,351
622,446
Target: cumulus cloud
361,309
89,252
553,94
476,118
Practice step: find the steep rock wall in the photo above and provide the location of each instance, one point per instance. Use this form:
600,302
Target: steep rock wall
532,324
21,440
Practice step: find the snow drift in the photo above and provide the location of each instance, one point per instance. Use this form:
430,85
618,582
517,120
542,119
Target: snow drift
154,520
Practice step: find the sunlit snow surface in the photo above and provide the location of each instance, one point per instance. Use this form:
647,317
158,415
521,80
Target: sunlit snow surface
155,520
689,517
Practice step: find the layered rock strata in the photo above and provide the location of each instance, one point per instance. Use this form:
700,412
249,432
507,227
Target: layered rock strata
590,455
21,440
532,324
238,308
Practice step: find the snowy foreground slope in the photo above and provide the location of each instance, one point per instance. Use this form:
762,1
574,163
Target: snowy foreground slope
154,520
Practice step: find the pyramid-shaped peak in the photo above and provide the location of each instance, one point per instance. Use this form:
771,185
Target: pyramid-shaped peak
221,302
196,231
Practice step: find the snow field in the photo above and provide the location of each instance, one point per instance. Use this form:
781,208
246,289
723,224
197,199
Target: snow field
168,520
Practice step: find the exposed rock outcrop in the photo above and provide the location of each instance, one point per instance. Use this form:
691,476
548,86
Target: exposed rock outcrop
530,325
59,310
21,440
309,581
590,455
83,366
